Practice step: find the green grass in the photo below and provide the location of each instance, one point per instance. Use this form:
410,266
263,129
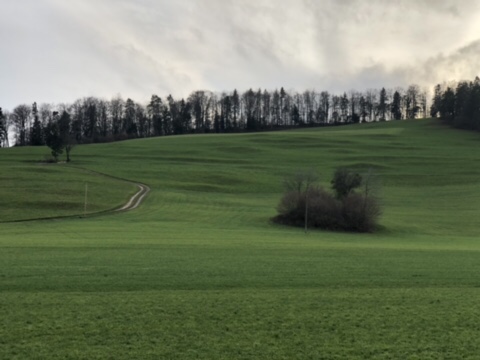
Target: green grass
32,189
199,271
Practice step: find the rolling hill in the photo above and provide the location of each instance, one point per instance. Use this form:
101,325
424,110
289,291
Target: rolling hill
199,271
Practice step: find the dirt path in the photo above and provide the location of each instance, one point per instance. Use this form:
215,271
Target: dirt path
136,199
134,202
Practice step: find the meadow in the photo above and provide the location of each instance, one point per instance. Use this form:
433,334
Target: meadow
199,271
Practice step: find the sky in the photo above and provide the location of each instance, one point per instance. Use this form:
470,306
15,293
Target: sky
56,51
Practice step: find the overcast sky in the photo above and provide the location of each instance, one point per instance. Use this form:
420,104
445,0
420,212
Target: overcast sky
59,50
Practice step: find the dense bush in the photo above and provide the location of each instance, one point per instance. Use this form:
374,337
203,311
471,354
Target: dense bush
345,210
345,181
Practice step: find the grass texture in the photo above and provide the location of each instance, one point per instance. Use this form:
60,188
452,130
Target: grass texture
199,271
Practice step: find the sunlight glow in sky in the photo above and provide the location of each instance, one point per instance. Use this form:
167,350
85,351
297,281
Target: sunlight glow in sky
56,50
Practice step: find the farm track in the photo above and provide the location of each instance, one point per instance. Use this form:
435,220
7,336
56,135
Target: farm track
134,202
136,199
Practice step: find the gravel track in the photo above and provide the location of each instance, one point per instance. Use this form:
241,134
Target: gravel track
136,199
134,202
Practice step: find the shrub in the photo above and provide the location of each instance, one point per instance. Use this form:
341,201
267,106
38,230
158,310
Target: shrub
360,213
324,210
345,181
346,210
291,210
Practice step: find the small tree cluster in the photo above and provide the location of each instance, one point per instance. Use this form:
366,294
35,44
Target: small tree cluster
351,207
460,105
58,136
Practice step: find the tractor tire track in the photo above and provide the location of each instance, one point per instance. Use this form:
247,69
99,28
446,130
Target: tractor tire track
134,202
136,199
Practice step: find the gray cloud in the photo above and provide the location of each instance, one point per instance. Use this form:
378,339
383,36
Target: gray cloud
56,50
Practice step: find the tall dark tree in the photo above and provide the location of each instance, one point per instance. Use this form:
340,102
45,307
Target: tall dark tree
258,114
216,122
36,134
167,121
295,115
103,121
372,104
459,106
309,104
447,105
155,113
475,105
175,116
90,123
412,101
53,137
324,107
129,127
21,119
344,107
396,106
78,115
142,120
363,109
116,111
336,109
423,103
65,133
185,116
283,97
354,107
3,130
266,108
227,112
235,109
221,105
437,99
200,102
249,103
383,105
180,112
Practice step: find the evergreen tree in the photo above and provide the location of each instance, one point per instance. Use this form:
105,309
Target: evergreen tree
36,135
396,106
155,113
235,109
216,122
129,127
437,99
382,105
344,107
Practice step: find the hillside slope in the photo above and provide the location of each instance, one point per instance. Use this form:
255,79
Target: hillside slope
199,271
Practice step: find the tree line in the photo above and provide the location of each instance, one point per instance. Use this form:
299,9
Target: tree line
92,119
458,104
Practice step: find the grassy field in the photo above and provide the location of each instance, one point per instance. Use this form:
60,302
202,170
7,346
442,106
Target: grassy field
199,271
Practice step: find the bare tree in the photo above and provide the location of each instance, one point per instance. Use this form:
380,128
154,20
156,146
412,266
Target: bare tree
21,122
3,129
301,182
371,104
371,208
412,101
